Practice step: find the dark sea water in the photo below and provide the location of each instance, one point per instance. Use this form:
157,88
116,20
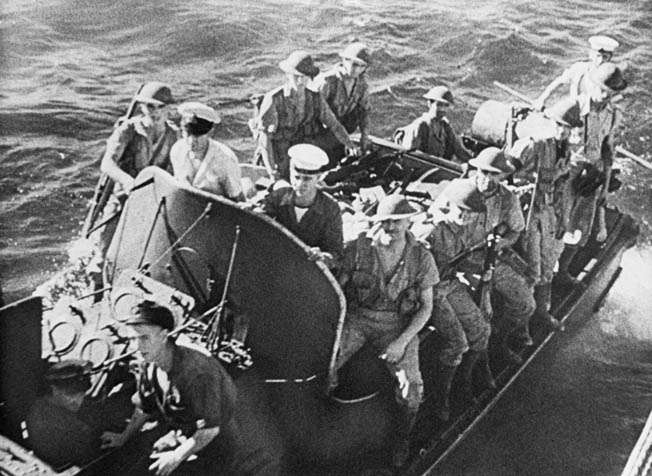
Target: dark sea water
68,69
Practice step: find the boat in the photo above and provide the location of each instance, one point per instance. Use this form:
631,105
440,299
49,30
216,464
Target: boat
210,261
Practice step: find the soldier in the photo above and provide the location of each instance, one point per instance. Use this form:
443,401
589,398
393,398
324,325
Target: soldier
388,278
57,431
346,91
456,317
137,142
308,212
601,51
294,114
201,161
503,208
193,395
601,119
432,133
542,153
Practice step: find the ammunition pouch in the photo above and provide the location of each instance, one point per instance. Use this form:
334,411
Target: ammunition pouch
588,180
409,302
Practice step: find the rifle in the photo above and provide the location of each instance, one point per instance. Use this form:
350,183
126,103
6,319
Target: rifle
105,184
483,293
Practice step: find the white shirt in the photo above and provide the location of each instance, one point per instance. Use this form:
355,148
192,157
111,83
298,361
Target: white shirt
218,172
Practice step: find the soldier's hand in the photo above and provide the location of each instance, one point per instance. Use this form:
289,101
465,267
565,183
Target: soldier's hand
165,462
353,151
394,352
110,439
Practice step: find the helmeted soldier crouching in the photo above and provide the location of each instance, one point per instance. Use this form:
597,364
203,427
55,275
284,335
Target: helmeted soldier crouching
457,318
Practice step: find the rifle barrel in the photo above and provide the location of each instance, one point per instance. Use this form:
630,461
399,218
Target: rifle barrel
639,160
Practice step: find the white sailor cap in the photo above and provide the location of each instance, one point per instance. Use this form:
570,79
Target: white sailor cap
199,110
603,43
307,158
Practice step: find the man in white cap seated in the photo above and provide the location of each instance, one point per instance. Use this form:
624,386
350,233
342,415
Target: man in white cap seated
601,51
432,133
388,278
503,208
308,212
201,161
346,91
293,114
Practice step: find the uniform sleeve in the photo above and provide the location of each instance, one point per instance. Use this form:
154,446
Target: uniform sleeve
267,119
178,161
414,135
515,219
207,402
323,86
571,72
462,154
333,238
118,141
365,106
328,118
428,273
233,175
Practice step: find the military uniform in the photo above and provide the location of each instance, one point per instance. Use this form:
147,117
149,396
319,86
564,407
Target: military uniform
320,226
600,124
434,136
542,167
197,393
131,147
286,123
351,107
513,287
373,300
456,316
218,172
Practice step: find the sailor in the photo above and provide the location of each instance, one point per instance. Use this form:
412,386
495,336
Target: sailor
432,133
201,161
388,278
503,208
601,119
346,91
465,331
542,152
190,393
308,212
137,142
601,51
58,433
293,114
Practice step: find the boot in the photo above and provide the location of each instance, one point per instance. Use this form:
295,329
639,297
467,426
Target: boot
484,378
542,298
443,383
563,278
522,336
505,351
401,451
464,378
